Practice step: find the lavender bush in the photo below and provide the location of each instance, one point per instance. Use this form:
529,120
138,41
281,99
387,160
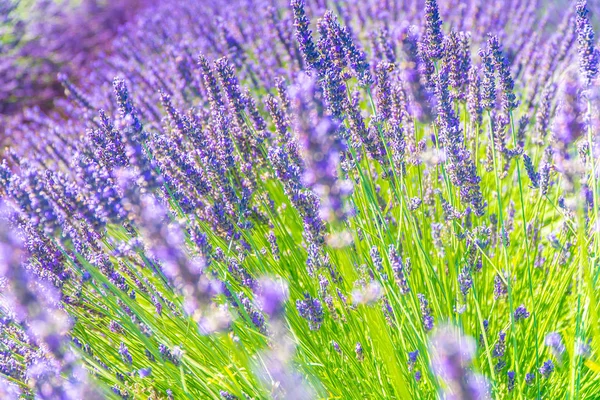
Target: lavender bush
41,38
311,199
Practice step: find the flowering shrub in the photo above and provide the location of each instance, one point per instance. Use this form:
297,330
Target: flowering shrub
312,199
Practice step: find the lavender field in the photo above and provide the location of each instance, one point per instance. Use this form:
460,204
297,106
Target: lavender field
305,199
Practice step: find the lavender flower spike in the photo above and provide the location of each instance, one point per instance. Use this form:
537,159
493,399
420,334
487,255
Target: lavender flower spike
452,354
509,100
428,320
547,368
555,342
304,35
588,54
311,309
433,37
521,313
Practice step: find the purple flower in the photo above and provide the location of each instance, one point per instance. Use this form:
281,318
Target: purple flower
311,310
418,376
384,89
412,359
210,82
461,167
251,311
400,273
428,320
232,89
417,76
543,113
474,102
488,82
511,380
433,36
376,259
583,348
227,396
272,296
356,58
168,355
509,100
458,57
465,281
500,346
533,175
500,289
588,54
241,274
124,352
521,313
321,148
546,369
451,356
145,372
555,342
336,346
359,352
544,171
569,122
304,35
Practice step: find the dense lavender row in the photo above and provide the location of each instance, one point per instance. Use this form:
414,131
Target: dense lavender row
314,199
41,38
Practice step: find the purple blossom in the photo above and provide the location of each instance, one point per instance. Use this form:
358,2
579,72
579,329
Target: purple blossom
428,320
488,82
359,352
555,342
509,101
533,175
418,376
174,356
336,346
256,317
321,148
583,348
400,272
569,122
227,396
272,296
465,281
461,168
530,378
433,36
452,355
340,37
124,352
304,35
547,368
511,380
521,313
412,359
458,57
500,289
474,101
145,372
310,309
588,54
500,346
